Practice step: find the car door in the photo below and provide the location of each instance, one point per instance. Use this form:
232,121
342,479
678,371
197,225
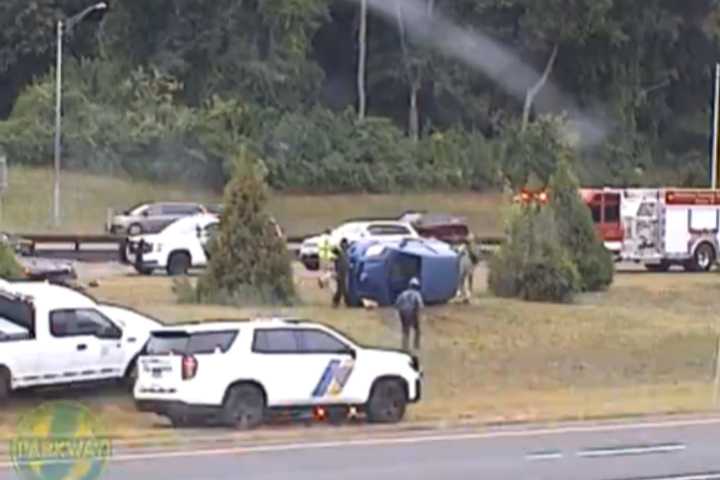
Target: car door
275,356
155,218
81,345
327,364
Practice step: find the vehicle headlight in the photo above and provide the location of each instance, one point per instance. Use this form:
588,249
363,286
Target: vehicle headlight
158,247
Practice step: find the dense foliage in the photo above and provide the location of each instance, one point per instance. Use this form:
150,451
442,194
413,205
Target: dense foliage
172,88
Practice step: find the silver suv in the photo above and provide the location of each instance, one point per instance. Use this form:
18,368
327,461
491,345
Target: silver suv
151,217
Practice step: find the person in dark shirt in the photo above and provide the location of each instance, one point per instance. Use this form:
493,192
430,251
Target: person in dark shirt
409,305
342,269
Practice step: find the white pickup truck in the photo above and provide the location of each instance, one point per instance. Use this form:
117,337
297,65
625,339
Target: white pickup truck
50,335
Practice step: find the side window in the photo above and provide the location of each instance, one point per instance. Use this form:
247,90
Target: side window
172,209
73,323
612,213
207,342
317,341
596,213
154,210
388,230
275,341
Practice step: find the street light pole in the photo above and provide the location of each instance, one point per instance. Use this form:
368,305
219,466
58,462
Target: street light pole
58,124
61,26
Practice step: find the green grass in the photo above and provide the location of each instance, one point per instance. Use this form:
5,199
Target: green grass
645,346
85,200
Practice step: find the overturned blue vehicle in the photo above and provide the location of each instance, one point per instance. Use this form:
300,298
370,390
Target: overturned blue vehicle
381,270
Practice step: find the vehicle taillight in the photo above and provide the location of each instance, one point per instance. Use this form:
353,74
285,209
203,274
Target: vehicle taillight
189,367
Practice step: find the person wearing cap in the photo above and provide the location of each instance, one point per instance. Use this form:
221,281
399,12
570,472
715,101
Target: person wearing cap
409,305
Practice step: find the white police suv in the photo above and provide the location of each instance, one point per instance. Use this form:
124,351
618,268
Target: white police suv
240,373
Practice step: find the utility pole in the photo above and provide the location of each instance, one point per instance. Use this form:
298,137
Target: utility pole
58,124
716,126
61,27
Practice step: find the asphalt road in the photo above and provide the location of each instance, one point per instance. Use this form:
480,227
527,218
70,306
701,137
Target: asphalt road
671,449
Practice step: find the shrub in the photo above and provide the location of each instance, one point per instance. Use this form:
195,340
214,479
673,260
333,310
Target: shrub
248,260
10,269
533,265
576,231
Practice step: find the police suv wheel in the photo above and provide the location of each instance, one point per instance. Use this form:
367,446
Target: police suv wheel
387,403
135,229
244,407
4,384
179,264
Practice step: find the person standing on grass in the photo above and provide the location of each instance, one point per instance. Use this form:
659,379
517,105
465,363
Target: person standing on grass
409,306
469,259
325,259
342,268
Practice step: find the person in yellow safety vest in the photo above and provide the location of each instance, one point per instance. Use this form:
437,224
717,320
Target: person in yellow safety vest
326,257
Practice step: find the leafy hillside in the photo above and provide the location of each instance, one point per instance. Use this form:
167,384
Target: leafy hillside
404,95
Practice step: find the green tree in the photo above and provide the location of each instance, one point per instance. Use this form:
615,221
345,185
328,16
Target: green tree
249,262
576,231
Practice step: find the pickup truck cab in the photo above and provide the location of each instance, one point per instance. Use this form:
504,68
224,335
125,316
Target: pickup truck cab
239,373
176,249
51,335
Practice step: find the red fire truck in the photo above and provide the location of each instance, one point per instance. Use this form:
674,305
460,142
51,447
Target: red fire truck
658,227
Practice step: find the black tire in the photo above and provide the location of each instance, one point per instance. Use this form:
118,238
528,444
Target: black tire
144,270
704,257
387,403
131,376
179,263
4,384
244,407
180,421
135,229
658,267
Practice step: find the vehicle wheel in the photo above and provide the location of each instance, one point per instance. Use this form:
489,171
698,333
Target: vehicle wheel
387,403
180,421
704,257
178,264
4,384
135,229
244,407
144,270
658,267
131,376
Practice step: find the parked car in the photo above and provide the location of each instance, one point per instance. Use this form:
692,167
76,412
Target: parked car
152,217
354,231
440,226
54,335
179,247
239,373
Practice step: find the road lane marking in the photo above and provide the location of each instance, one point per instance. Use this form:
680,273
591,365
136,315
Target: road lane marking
541,456
380,441
631,450
684,476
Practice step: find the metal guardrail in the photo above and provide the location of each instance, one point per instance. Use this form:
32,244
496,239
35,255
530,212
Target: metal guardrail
90,247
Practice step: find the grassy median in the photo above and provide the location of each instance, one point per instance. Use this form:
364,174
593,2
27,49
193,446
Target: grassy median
645,346
86,198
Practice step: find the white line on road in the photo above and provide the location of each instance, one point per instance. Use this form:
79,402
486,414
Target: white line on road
540,456
691,476
380,441
636,450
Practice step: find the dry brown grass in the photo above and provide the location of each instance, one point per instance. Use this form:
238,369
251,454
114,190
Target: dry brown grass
86,198
646,346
